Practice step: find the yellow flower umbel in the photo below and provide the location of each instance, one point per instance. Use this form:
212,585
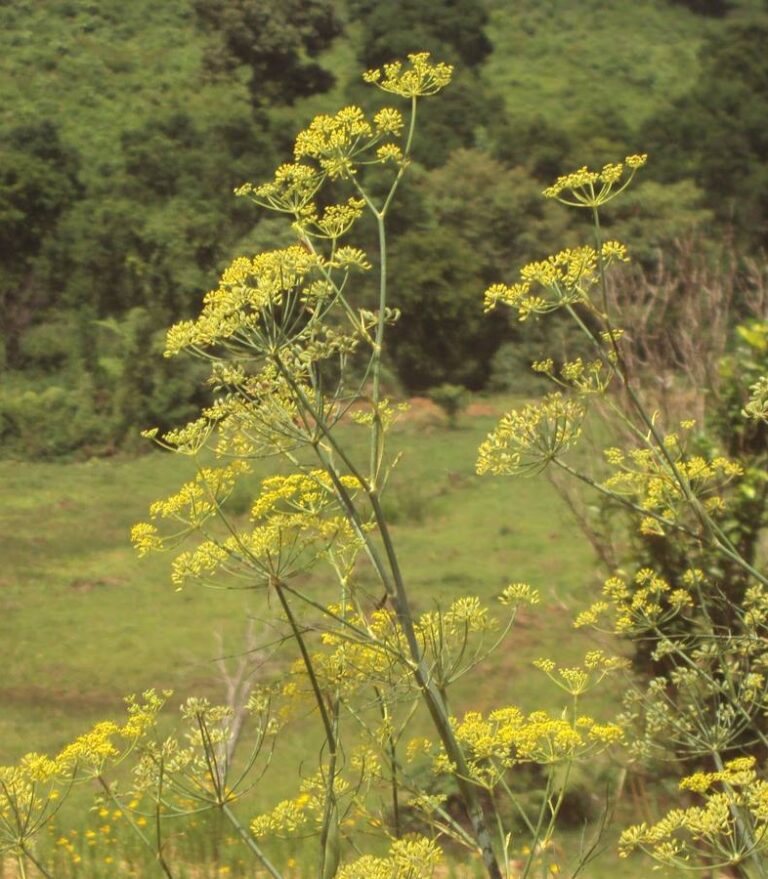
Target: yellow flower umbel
730,828
664,484
507,737
568,278
291,191
413,857
418,78
590,189
526,440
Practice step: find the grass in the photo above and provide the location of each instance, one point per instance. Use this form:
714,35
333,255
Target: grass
85,622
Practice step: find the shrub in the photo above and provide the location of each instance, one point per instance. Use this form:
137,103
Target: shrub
452,399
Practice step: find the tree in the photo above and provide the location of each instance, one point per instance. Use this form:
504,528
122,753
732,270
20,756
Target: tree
716,133
479,218
713,8
38,183
444,336
154,233
498,211
450,29
273,40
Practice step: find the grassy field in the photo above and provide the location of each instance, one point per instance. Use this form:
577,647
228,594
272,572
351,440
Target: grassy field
83,621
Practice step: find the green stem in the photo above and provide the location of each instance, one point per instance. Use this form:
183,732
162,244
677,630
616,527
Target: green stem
307,660
330,727
37,863
158,826
711,528
406,157
746,833
396,590
539,824
129,818
376,435
250,842
392,745
376,451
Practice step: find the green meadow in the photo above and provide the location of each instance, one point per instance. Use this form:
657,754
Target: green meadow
85,621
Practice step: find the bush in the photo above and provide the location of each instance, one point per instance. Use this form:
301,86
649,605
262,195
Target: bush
452,399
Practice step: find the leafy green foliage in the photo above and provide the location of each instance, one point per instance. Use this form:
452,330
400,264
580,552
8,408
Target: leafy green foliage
452,399
717,130
272,41
444,335
38,182
571,63
89,384
716,8
393,28
479,218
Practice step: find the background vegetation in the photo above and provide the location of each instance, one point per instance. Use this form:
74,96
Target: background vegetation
124,129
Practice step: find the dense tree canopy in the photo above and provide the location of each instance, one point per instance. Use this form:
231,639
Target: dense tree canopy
117,167
38,183
393,28
717,134
272,40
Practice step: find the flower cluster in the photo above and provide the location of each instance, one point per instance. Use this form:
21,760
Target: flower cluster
508,737
334,141
370,649
247,290
642,603
412,857
418,78
305,812
32,791
191,770
757,406
585,378
295,519
730,828
577,680
665,483
291,191
526,440
339,144
590,189
567,278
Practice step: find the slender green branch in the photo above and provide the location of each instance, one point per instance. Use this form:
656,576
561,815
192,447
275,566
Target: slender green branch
250,842
37,863
129,818
329,725
158,826
431,696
